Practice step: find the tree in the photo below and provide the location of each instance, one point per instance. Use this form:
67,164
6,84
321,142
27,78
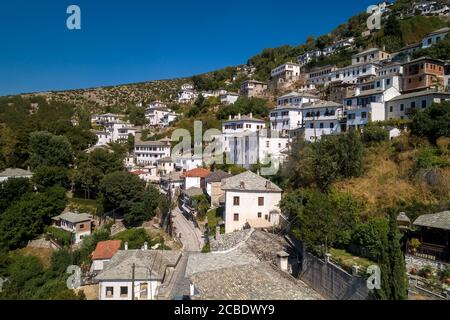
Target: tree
121,190
45,177
374,134
135,238
392,264
433,122
145,207
47,149
12,189
80,138
26,218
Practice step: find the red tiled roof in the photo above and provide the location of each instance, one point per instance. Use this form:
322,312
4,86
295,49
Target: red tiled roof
197,172
139,172
106,249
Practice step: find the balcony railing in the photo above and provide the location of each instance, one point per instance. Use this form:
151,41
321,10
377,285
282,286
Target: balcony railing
430,252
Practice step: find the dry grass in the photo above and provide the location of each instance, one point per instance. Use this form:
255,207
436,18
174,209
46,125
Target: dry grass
386,181
44,254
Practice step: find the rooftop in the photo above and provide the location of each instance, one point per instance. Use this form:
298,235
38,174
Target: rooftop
73,217
367,51
249,181
217,176
419,94
322,104
146,262
174,176
197,173
439,220
442,30
16,172
193,191
106,249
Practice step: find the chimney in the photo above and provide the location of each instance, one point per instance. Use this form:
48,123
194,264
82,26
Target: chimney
355,270
282,260
229,117
268,185
242,185
145,245
229,171
251,114
239,116
126,245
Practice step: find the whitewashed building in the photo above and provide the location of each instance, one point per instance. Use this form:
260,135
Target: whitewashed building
78,224
101,119
321,76
228,98
237,125
187,93
146,269
434,37
309,56
103,137
15,173
120,130
352,73
404,106
321,118
249,148
155,113
340,44
149,152
250,199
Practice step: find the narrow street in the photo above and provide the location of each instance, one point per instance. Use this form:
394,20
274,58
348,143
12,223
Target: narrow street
191,237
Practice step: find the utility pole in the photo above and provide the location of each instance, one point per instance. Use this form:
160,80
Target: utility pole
133,267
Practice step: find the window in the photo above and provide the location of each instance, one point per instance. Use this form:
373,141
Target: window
321,125
259,214
236,217
413,104
363,115
388,82
266,217
267,144
331,125
236,201
143,291
109,292
260,201
402,107
81,226
391,108
424,103
124,292
311,125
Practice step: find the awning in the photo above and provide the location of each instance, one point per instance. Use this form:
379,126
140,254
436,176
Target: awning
259,223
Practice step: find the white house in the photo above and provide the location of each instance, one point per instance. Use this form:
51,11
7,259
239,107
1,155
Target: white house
120,130
321,76
100,119
237,125
321,118
343,43
168,118
155,113
103,137
196,178
187,93
403,106
285,74
172,182
79,224
165,165
148,152
147,174
368,103
374,55
350,74
103,253
309,56
147,269
250,200
434,37
248,148
15,173
228,98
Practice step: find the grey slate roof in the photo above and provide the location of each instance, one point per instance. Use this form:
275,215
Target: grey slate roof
193,191
440,220
146,261
17,172
322,104
73,217
420,94
217,176
173,176
249,181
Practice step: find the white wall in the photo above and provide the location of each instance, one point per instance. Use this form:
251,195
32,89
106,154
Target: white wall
152,287
248,207
192,182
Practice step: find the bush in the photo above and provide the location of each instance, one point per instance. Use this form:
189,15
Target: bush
374,134
135,238
63,237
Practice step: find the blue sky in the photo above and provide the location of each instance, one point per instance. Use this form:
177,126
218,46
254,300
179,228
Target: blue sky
137,40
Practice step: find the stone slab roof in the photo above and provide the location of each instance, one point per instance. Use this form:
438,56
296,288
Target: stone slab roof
249,181
16,172
440,220
73,217
145,261
217,176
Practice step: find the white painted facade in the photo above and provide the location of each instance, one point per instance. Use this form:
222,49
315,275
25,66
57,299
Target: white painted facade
100,119
373,55
434,37
120,130
188,163
350,74
228,98
238,125
322,119
309,56
321,76
103,137
144,289
249,208
187,93
148,152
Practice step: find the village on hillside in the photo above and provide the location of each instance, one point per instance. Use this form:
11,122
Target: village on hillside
300,207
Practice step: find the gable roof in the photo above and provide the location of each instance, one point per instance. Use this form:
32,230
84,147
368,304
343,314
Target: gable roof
193,191
440,220
73,217
17,172
197,173
106,249
146,262
249,181
217,176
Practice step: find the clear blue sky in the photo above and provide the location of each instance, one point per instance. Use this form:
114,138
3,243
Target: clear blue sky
140,40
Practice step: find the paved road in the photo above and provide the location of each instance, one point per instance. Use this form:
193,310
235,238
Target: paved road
191,237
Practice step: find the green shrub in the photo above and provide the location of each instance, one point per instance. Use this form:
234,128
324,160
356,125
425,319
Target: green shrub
63,237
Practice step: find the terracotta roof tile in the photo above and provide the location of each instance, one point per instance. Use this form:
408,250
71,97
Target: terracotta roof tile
106,249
